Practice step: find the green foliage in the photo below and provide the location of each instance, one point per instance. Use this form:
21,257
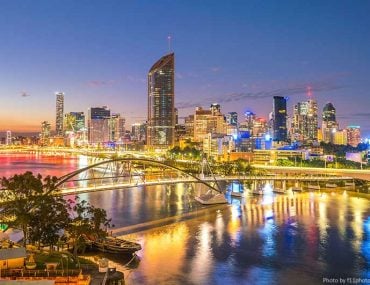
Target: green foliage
35,206
27,196
340,150
284,162
49,219
86,221
186,153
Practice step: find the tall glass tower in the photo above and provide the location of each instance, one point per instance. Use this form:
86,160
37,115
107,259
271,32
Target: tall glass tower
328,115
59,113
161,113
280,117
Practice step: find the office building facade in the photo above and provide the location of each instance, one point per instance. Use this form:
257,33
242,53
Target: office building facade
59,114
98,125
279,113
161,96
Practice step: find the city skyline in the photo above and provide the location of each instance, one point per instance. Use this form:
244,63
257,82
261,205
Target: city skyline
237,54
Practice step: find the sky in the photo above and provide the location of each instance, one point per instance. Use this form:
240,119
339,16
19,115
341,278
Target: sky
236,53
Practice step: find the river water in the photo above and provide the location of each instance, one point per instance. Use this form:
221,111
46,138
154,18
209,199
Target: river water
308,238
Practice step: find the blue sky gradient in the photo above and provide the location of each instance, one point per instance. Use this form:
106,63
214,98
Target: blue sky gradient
238,53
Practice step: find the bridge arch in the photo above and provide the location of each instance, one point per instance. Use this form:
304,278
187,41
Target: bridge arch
126,161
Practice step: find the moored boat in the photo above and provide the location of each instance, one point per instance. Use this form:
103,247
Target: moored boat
278,190
116,245
237,194
209,198
331,185
298,189
313,187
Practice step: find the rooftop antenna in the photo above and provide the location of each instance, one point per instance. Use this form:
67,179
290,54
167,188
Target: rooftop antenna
169,43
309,92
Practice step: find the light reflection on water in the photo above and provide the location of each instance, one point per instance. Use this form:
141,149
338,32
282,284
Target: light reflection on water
270,239
299,244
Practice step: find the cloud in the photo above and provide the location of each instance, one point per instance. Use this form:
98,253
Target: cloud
179,75
100,83
355,116
135,79
290,90
215,69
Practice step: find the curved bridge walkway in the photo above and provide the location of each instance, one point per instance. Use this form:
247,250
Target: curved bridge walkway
131,172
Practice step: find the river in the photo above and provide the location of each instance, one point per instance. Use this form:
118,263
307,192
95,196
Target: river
270,239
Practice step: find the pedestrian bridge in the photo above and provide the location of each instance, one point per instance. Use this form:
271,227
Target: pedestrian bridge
129,172
353,173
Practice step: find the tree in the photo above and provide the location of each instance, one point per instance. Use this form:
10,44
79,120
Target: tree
49,219
32,204
21,196
86,221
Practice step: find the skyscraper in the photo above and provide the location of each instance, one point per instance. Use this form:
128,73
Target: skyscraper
59,113
329,123
74,121
161,115
329,114
8,139
232,118
305,121
279,119
98,124
312,120
353,135
45,133
74,128
208,121
116,128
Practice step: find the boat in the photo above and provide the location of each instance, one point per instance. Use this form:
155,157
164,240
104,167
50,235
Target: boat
299,189
209,198
237,194
115,245
257,191
349,184
331,185
278,190
313,187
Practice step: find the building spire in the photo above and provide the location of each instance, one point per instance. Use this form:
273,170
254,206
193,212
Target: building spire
309,92
169,43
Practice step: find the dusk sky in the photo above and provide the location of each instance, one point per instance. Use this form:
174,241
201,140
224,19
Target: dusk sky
236,53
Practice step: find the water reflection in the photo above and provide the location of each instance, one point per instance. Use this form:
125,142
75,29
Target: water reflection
306,237
267,239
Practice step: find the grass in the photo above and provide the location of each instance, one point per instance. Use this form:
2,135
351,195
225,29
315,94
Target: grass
64,260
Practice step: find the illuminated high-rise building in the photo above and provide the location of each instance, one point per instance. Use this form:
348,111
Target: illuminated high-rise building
208,121
312,120
138,132
340,137
189,126
353,135
8,139
75,128
74,121
279,119
116,128
329,123
161,97
45,133
98,125
59,113
232,118
215,109
329,114
305,121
